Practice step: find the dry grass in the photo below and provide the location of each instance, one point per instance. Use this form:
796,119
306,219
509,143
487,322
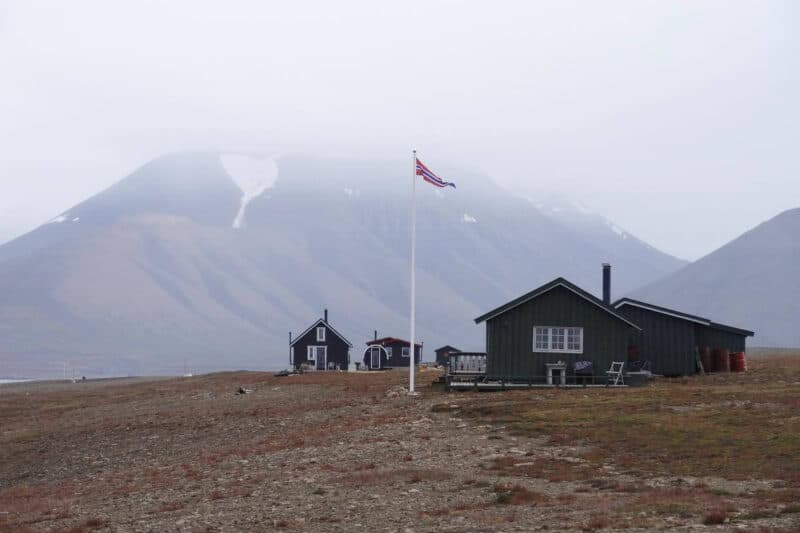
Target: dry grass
381,476
518,495
736,426
159,451
125,440
715,517
550,469
598,521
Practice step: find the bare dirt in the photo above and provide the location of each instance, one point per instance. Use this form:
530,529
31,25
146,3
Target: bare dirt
331,452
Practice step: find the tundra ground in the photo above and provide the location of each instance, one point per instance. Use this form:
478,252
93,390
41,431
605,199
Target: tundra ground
346,452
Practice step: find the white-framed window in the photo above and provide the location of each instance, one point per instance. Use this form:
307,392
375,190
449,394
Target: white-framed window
575,340
406,351
561,339
557,338
388,352
541,339
321,334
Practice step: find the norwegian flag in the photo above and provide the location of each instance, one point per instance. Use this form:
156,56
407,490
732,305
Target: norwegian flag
432,178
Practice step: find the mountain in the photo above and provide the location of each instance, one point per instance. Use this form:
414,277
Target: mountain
751,282
211,259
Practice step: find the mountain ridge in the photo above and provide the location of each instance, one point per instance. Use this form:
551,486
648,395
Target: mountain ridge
154,270
750,282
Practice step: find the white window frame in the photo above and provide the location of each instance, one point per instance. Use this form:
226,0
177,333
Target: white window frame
320,333
406,351
549,348
388,351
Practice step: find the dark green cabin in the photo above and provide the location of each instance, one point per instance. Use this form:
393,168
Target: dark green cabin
559,321
669,338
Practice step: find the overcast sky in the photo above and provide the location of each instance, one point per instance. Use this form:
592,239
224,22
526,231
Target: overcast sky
678,120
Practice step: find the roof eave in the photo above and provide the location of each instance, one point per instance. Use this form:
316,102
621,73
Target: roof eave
732,329
548,287
315,324
661,310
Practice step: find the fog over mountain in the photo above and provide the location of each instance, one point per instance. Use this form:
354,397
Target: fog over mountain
753,282
677,120
213,258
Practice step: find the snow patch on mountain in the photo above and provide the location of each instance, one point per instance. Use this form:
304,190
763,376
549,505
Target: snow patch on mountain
63,218
582,208
575,214
253,176
469,219
616,229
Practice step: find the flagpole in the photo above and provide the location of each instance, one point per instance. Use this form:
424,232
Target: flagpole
412,348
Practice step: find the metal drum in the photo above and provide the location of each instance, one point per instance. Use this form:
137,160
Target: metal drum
738,362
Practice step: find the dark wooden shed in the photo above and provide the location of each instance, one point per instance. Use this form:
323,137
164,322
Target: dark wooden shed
669,338
443,354
320,347
390,352
558,321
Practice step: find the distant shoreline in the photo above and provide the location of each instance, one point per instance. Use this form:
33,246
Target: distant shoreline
15,385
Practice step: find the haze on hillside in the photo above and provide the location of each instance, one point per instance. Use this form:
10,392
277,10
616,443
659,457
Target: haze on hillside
189,260
678,121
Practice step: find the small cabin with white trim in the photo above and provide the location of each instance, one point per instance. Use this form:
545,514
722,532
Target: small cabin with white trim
390,352
443,354
320,347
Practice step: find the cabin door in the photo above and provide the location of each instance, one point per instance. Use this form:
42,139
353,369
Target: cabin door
375,357
318,357
322,357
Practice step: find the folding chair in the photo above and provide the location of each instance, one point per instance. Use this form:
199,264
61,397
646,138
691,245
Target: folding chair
614,374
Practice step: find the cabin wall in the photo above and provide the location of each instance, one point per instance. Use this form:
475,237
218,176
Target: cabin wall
338,350
715,338
509,337
443,356
667,342
397,360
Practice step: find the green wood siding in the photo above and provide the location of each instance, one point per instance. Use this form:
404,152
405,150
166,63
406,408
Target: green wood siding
509,336
667,342
716,338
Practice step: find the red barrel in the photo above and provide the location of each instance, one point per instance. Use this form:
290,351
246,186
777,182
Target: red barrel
705,358
738,362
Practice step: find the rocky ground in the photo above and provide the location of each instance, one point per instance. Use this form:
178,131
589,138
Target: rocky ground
325,452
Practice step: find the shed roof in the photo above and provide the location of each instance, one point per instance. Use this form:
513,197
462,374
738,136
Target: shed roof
391,340
447,347
547,287
682,316
327,325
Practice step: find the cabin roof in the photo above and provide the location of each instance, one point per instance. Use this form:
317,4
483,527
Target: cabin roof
447,347
681,315
392,340
547,287
327,325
